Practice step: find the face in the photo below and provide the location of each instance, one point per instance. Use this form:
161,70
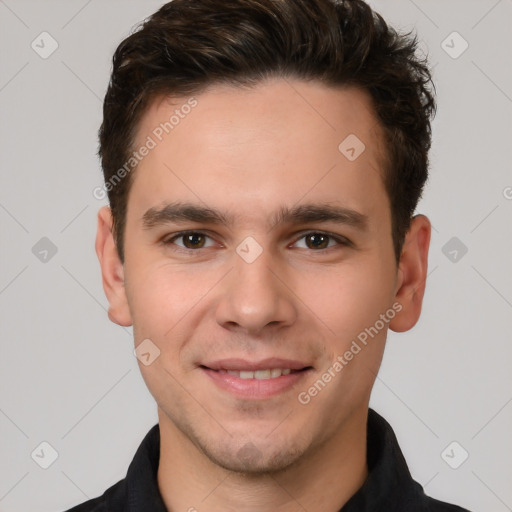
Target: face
259,262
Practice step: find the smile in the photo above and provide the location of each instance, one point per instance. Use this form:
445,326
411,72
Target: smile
258,374
255,380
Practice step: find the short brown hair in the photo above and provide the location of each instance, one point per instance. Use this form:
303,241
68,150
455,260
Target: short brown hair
188,45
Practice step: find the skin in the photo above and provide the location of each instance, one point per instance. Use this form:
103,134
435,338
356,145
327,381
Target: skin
248,152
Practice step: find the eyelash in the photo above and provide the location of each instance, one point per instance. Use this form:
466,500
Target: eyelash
341,241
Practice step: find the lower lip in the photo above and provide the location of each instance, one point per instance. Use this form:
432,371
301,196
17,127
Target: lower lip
256,389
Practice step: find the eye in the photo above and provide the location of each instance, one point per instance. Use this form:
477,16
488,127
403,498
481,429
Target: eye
319,241
314,240
190,240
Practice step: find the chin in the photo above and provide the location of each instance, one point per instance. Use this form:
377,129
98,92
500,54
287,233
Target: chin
251,460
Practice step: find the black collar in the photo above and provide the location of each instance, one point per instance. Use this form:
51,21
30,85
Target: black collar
389,485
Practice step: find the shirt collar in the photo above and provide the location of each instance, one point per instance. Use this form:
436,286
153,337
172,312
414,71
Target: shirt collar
389,485
142,491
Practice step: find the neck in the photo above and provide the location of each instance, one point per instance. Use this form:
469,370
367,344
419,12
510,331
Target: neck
323,480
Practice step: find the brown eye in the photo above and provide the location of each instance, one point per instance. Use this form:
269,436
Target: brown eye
193,240
189,240
317,241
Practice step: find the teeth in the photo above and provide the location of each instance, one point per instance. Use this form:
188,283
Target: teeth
271,373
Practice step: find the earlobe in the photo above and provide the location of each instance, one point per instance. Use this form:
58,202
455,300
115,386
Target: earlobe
112,270
412,274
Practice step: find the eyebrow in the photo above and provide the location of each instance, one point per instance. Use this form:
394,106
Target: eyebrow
303,214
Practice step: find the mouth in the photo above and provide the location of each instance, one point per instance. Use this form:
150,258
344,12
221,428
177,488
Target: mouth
270,373
256,380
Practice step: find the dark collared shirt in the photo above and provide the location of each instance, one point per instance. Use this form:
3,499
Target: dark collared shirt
388,488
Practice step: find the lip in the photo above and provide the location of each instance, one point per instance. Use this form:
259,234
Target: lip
255,389
252,366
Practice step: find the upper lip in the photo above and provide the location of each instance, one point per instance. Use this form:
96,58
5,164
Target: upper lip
238,364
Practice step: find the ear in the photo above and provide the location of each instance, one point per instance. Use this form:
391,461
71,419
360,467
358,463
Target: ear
412,274
112,270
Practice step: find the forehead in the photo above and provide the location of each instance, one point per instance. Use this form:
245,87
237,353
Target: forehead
276,142
273,102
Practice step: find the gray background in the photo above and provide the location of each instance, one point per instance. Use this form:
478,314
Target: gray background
68,376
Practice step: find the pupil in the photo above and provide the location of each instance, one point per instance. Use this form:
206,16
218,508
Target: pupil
317,235
192,239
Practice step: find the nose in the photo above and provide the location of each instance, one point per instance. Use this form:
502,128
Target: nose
255,295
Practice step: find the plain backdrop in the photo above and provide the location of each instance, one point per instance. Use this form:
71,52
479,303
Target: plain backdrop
68,376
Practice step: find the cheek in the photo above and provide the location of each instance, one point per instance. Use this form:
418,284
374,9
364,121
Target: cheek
347,298
157,299
164,296
347,303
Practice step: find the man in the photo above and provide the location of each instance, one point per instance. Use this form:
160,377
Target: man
263,161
